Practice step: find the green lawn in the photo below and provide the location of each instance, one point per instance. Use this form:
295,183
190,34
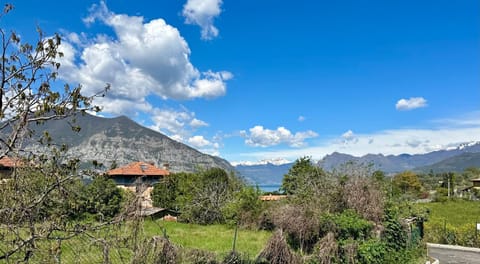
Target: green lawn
452,222
454,212
214,238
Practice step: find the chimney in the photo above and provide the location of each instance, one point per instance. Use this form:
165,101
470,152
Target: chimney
166,166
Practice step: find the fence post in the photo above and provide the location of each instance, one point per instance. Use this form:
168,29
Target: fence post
235,237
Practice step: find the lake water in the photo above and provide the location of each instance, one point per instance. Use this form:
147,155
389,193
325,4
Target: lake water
269,188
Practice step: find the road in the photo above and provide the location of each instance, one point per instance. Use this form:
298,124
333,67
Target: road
454,256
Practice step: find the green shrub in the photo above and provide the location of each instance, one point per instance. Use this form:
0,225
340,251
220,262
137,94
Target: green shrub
347,224
372,252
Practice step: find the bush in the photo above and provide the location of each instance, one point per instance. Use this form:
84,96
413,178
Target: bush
300,224
347,225
277,251
372,252
102,198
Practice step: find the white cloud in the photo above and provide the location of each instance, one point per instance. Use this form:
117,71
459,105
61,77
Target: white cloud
349,137
175,123
199,142
196,123
202,13
411,103
261,137
301,118
450,133
143,58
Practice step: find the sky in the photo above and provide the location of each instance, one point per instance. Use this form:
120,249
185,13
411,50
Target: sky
258,80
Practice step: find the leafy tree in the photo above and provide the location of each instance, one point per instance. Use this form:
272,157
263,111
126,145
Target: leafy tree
407,182
102,197
38,195
165,192
211,192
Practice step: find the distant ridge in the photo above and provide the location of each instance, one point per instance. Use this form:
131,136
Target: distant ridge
120,140
453,159
402,162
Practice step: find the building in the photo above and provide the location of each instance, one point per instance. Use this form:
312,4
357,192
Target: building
7,165
143,174
137,172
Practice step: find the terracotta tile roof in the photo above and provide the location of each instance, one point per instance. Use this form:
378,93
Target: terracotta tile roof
271,197
138,169
7,162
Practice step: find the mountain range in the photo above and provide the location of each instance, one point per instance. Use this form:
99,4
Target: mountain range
121,141
453,159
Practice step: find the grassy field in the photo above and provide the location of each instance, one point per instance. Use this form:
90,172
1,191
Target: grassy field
217,239
452,222
214,238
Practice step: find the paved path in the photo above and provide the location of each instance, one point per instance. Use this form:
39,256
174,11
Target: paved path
454,255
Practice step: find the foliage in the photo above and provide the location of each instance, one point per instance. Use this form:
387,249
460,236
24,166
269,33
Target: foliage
452,222
407,182
394,235
213,190
303,179
42,193
347,224
371,252
246,207
165,192
102,198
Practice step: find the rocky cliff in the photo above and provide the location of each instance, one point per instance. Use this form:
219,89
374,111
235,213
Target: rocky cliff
120,140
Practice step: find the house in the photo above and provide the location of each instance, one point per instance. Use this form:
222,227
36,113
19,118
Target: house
7,165
138,174
471,191
476,183
271,197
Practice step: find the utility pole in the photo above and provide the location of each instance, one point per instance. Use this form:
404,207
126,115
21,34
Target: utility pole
448,183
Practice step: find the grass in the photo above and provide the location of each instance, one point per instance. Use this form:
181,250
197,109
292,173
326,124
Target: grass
213,238
452,222
217,239
459,212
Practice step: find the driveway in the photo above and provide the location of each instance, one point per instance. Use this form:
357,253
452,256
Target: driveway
454,254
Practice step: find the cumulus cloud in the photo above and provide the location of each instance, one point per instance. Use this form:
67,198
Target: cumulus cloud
411,103
178,124
258,136
448,133
349,137
202,13
160,64
199,142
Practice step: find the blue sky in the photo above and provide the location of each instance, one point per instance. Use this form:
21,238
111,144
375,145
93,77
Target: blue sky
252,80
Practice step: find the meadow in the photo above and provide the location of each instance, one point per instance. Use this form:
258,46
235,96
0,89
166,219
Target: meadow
116,243
452,222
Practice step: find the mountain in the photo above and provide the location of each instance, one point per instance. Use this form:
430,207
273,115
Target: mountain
122,141
454,164
264,173
398,163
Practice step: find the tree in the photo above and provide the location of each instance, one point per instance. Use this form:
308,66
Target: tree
407,182
211,192
165,192
43,189
102,198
